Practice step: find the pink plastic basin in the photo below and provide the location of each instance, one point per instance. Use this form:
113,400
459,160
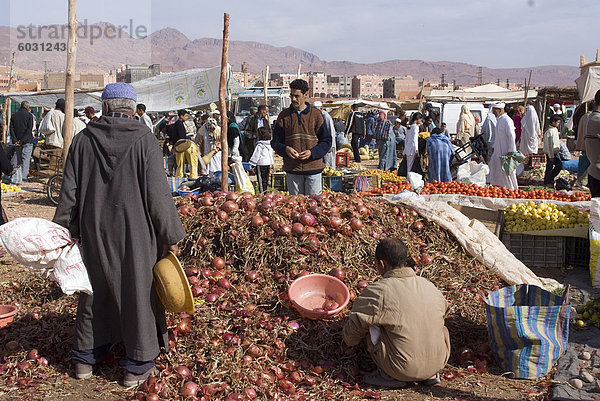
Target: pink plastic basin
309,293
7,314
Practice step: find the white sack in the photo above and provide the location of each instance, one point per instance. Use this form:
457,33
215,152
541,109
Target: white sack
42,244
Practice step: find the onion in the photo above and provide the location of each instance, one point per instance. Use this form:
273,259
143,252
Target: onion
266,205
232,196
315,210
248,204
185,326
297,229
308,219
189,389
427,259
417,225
222,215
252,275
211,298
257,221
250,393
33,355
335,222
197,291
255,351
151,397
206,201
183,372
224,283
310,380
218,263
193,280
247,359
362,284
296,216
285,229
191,271
356,224
338,272
229,206
42,362
23,365
294,325
234,397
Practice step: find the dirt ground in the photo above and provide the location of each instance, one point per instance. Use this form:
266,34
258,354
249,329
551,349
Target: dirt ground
56,382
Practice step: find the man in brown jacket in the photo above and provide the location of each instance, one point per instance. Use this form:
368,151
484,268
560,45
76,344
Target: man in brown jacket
302,138
401,318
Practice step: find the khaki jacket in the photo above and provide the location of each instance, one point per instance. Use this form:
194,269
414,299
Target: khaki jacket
409,310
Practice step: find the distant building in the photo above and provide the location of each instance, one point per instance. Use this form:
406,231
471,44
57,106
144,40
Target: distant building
281,79
403,88
367,86
317,84
132,73
56,80
344,84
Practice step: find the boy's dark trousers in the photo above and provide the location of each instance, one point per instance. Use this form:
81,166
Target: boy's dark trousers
553,167
262,175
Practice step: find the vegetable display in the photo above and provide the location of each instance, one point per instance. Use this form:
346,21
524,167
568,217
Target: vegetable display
528,216
456,187
245,341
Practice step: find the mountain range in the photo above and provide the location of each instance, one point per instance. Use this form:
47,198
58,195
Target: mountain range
175,52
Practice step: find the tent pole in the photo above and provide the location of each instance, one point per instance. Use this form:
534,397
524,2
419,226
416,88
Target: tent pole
222,106
7,101
70,80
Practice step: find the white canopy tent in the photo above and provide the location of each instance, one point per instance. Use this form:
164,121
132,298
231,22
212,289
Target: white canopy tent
171,91
483,93
588,83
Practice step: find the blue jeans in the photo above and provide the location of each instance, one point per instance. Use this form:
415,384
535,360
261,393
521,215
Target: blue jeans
24,157
571,166
584,163
96,355
299,184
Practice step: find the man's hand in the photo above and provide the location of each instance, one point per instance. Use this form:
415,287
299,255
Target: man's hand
304,155
173,248
291,152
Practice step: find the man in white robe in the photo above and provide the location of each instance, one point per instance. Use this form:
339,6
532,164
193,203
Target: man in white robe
504,145
52,125
329,158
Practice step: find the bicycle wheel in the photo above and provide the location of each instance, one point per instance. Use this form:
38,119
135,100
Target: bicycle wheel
53,188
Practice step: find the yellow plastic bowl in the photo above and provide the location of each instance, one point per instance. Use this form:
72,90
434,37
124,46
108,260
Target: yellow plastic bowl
172,286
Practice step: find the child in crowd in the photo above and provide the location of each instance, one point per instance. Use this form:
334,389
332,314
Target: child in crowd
262,158
551,150
401,319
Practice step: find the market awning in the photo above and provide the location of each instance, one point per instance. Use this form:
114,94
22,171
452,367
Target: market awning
588,83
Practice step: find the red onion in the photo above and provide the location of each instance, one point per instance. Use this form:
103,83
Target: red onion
151,397
211,298
232,196
266,205
234,397
218,263
197,291
248,204
308,219
255,351
297,229
362,284
193,280
23,365
252,275
185,326
247,359
189,389
427,259
222,215
223,283
206,201
310,380
183,372
257,221
294,325
191,271
43,362
356,224
285,230
33,355
250,393
229,206
417,225
338,272
335,222
296,216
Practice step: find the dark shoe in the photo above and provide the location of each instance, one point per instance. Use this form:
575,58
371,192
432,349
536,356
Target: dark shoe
431,382
377,379
131,379
83,371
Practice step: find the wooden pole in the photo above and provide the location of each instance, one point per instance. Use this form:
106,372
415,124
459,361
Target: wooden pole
527,84
266,87
69,79
298,73
544,111
7,100
420,108
222,106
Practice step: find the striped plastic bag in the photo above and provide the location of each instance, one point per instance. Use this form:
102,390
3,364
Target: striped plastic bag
594,230
528,329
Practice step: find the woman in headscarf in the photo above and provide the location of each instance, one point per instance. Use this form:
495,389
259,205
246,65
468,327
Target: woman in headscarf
530,132
440,152
465,128
411,144
386,142
517,118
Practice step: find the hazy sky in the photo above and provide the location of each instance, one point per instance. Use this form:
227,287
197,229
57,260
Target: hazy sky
509,33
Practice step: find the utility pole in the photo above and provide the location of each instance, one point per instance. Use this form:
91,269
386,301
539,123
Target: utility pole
480,75
454,84
266,87
507,84
498,81
222,90
443,80
7,100
45,74
70,80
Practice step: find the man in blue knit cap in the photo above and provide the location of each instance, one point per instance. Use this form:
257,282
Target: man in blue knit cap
115,199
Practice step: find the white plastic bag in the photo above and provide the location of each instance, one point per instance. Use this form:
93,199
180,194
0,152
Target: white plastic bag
242,181
473,173
42,244
416,181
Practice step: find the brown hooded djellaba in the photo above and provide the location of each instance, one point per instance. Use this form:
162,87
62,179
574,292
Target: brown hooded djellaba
116,200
